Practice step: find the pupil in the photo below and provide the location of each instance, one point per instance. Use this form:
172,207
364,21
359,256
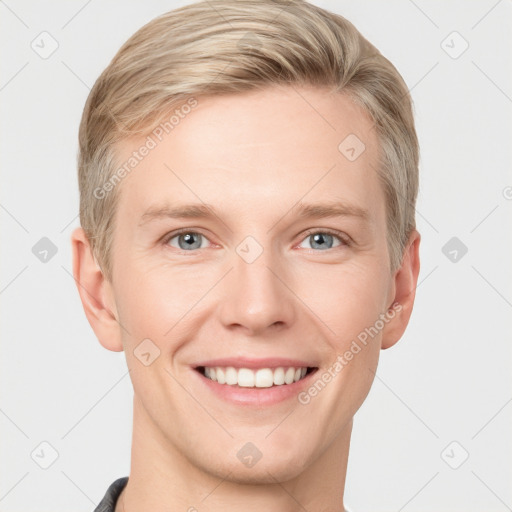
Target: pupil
189,241
319,237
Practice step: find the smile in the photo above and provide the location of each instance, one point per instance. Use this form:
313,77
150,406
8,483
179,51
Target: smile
255,378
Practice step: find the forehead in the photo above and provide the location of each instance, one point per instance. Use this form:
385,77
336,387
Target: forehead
256,153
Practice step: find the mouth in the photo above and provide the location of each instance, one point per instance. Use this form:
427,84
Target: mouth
264,377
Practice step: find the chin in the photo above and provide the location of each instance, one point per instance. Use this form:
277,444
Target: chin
273,466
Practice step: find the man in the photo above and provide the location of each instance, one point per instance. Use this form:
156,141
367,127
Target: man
248,172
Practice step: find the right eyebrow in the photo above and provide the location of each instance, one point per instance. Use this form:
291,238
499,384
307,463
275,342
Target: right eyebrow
187,211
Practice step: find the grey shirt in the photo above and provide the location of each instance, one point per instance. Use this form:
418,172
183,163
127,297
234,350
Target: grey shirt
108,503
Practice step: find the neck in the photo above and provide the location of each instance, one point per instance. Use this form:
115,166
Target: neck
162,479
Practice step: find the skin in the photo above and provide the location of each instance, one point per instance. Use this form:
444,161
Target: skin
252,156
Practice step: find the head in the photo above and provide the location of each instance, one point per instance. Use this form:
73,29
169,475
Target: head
254,112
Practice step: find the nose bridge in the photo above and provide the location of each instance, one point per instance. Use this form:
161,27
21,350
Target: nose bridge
256,296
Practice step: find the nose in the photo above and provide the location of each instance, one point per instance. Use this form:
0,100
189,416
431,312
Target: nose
257,297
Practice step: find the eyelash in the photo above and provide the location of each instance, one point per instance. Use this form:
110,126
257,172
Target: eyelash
344,239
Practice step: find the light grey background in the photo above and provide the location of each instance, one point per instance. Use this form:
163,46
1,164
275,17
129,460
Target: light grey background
447,380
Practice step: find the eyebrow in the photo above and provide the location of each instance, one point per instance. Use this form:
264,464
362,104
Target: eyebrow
301,210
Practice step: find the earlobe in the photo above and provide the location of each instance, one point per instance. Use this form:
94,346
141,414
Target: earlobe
95,293
405,282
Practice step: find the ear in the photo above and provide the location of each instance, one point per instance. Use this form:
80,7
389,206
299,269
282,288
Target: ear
96,293
403,292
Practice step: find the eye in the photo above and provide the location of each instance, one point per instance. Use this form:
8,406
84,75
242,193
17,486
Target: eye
186,240
323,239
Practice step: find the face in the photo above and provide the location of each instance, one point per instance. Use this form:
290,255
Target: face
262,281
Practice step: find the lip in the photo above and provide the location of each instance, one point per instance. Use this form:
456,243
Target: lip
245,362
256,397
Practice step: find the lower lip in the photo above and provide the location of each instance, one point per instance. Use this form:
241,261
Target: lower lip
256,396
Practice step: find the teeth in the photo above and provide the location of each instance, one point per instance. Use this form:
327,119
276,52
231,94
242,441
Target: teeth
261,378
279,376
289,375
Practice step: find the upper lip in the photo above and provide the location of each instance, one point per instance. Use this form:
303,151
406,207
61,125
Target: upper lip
246,362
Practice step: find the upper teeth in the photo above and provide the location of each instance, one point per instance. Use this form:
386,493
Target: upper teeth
261,378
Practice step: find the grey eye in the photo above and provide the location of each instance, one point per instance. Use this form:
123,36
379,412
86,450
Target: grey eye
322,240
188,240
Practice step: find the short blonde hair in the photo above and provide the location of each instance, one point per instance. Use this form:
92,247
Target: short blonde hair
231,46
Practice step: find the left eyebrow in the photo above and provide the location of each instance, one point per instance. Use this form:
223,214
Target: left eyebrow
207,211
336,209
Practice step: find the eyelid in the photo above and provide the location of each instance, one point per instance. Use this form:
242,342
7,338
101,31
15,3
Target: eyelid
343,237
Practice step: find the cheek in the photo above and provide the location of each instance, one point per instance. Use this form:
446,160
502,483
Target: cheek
163,304
156,298
346,299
